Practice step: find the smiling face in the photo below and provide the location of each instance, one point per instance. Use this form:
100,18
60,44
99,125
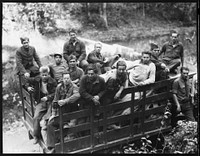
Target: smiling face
72,36
174,38
97,48
58,59
72,63
44,76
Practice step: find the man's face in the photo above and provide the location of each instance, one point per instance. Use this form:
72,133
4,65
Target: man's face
44,76
121,70
25,44
146,58
66,79
72,63
98,48
185,74
58,59
156,51
72,36
91,74
174,37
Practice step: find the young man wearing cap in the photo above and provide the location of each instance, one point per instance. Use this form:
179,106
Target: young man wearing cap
24,59
75,72
58,67
76,47
43,88
172,53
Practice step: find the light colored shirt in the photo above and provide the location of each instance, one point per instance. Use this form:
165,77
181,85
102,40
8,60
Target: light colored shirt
44,88
141,72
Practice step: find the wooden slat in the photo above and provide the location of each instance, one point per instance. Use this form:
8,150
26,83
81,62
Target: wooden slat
29,119
74,145
159,109
26,95
27,107
152,124
76,115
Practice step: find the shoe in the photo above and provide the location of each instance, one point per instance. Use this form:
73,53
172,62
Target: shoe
35,140
50,150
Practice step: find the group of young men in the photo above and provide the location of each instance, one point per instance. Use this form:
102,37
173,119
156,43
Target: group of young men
77,83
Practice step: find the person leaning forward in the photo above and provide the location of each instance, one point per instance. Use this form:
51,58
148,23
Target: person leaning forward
76,47
43,88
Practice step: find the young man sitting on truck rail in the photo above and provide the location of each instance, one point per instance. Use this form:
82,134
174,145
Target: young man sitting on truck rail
24,60
67,95
58,67
75,72
43,87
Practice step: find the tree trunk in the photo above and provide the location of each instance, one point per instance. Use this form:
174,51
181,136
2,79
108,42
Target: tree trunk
103,13
88,10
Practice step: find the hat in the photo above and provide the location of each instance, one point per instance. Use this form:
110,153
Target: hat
153,46
24,39
57,54
71,57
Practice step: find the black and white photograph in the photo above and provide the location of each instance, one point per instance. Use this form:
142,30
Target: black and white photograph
100,77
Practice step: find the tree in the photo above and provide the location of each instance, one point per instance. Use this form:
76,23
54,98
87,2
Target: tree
103,15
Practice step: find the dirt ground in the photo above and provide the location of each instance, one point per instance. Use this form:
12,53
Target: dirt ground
17,141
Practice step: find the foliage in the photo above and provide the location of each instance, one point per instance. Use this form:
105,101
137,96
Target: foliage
182,139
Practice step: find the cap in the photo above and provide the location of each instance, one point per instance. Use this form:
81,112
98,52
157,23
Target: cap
57,54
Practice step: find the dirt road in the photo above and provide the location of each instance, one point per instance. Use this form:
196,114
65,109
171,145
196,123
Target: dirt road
17,141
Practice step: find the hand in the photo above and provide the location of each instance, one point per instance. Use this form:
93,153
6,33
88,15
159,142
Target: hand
61,102
163,65
96,97
96,102
117,96
178,108
78,62
27,75
30,89
140,83
44,99
106,60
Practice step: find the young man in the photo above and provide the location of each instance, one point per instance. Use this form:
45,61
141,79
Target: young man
24,59
172,53
117,81
43,87
92,88
75,72
181,93
143,71
58,67
67,94
76,47
96,58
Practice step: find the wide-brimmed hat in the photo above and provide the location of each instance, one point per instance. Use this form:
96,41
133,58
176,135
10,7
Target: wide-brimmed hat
57,54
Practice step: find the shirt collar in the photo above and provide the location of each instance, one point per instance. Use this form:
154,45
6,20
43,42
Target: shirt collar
141,62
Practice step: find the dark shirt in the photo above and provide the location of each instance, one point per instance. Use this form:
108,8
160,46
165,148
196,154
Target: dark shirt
70,93
171,52
36,83
179,88
89,89
93,57
78,50
24,58
75,73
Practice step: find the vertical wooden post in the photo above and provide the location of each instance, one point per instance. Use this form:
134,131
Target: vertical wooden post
92,126
61,129
132,105
32,109
22,98
143,111
105,125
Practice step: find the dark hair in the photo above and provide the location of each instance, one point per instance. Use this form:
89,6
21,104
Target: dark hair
65,72
24,39
57,54
146,52
72,57
72,30
91,67
121,63
184,68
